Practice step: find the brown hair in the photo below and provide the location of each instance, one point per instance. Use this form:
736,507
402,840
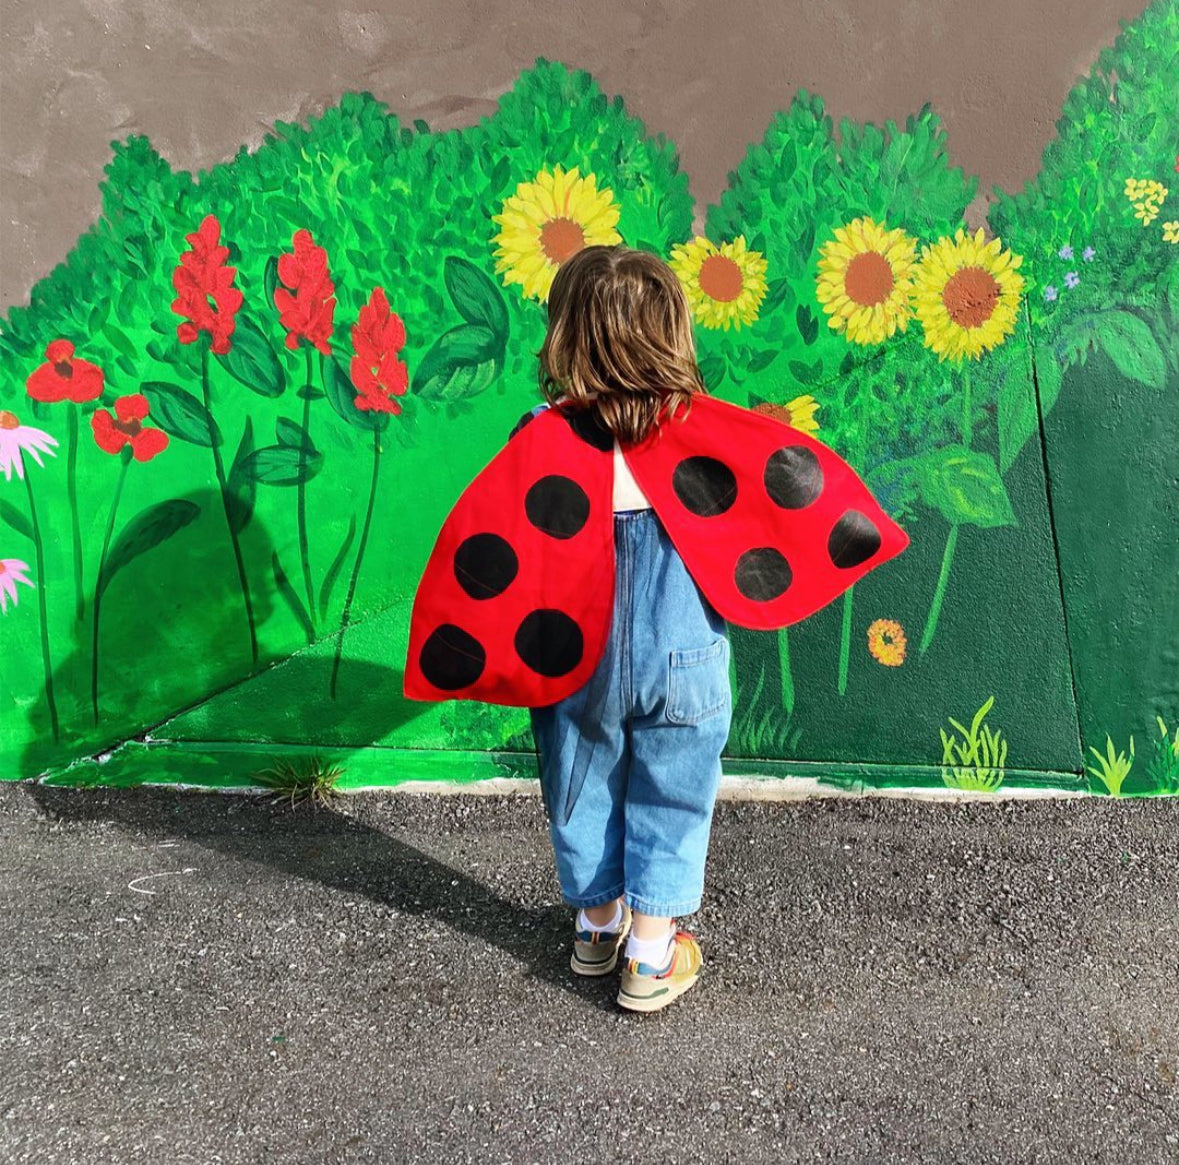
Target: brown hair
620,340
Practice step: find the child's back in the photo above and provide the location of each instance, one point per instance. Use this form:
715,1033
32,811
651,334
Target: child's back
630,762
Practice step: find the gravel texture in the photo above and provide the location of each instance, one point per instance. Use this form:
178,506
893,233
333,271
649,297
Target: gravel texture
197,978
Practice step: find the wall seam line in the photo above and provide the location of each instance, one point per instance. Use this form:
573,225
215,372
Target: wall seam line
1042,440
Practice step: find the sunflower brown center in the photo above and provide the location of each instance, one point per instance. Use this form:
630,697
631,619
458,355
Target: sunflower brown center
561,239
8,420
720,278
970,296
869,279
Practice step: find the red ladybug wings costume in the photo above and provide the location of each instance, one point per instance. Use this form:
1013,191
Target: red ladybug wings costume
515,603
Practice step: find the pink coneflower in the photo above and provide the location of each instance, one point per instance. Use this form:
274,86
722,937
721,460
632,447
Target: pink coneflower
16,439
12,571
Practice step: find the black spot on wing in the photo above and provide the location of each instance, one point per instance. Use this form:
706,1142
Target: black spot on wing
556,505
853,540
550,642
793,477
451,658
762,574
485,565
705,486
588,426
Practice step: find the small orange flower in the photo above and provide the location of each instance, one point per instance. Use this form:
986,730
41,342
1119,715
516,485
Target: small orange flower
886,642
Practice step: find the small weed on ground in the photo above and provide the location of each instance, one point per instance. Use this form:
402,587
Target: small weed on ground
306,779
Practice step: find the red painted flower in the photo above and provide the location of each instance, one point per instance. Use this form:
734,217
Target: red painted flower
63,377
307,313
205,293
126,428
377,372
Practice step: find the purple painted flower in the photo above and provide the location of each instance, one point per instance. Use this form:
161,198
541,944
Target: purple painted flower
1087,254
1071,279
1049,293
1065,252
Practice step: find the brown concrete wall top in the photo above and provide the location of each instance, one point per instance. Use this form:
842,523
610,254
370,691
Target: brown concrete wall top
201,77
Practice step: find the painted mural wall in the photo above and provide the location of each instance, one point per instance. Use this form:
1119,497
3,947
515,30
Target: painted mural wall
232,422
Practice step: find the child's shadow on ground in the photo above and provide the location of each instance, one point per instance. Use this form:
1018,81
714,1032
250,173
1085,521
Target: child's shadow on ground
343,853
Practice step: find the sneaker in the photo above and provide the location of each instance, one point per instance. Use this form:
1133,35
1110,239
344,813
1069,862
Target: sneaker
596,953
647,988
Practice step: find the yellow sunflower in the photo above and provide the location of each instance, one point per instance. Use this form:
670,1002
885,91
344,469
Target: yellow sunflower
799,412
549,220
887,642
725,284
865,277
966,295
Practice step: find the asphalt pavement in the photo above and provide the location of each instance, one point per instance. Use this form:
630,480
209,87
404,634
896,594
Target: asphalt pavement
190,977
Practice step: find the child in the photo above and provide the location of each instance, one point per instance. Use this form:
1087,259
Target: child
610,629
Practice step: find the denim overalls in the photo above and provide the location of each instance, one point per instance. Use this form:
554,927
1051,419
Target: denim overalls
630,763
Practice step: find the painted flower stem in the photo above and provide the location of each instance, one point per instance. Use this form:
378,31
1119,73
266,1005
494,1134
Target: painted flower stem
304,548
72,487
939,593
39,549
368,519
845,638
784,666
223,486
98,585
967,419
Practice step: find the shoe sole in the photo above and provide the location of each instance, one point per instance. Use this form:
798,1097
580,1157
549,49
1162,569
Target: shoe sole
593,970
657,1000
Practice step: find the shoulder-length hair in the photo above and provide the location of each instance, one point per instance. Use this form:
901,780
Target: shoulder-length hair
619,340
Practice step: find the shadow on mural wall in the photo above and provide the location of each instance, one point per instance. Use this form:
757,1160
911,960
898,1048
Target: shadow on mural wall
234,420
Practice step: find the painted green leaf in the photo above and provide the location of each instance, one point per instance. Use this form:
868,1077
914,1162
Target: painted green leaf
341,395
965,487
293,435
281,465
291,597
145,531
333,572
808,324
806,373
180,414
241,488
1131,345
1018,416
461,363
712,369
477,299
778,294
11,516
252,361
270,279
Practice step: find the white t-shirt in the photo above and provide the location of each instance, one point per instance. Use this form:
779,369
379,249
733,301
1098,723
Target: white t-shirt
627,493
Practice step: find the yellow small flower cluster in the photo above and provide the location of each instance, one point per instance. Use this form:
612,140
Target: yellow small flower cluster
1171,231
1147,196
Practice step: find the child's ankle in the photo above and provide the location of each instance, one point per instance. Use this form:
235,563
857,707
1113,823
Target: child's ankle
655,952
607,926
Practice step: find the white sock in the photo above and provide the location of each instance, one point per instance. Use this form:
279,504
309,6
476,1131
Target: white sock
653,951
613,924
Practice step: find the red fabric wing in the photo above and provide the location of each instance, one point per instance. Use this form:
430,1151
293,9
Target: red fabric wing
771,523
515,603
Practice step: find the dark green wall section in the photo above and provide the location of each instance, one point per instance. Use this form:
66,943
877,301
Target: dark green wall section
233,421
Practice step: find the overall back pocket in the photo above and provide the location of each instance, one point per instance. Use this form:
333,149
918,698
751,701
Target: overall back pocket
698,683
